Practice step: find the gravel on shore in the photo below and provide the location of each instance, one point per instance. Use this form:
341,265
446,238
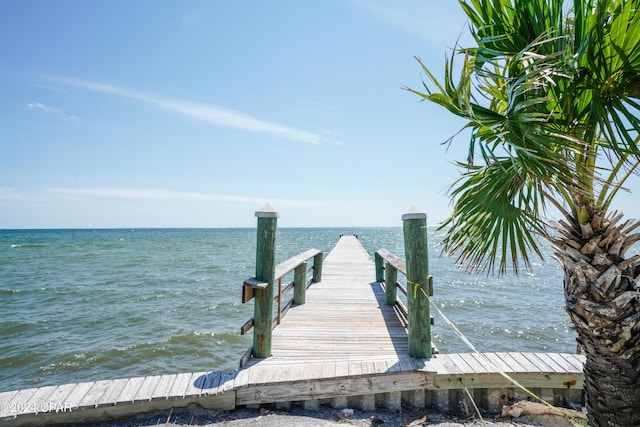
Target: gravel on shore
322,417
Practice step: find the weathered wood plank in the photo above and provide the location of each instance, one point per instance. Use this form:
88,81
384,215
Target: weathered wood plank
110,396
242,379
255,374
562,362
130,390
354,369
313,372
255,283
397,263
179,387
60,395
342,370
449,365
78,393
40,401
542,363
94,394
476,366
328,370
488,381
461,364
367,367
145,392
333,387
575,360
381,366
496,363
209,383
10,407
6,410
422,365
194,386
290,264
227,382
405,364
522,360
19,404
435,365
163,387
511,361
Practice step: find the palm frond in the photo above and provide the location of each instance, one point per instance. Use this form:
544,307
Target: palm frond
495,217
549,94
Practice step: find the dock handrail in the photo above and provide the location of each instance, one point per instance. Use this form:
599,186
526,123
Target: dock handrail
262,286
298,264
419,285
387,267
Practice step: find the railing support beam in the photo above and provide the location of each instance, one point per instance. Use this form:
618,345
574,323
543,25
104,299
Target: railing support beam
416,254
379,267
317,268
265,272
390,281
300,281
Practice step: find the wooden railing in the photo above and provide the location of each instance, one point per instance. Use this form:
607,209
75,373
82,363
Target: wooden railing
262,287
387,267
299,265
419,284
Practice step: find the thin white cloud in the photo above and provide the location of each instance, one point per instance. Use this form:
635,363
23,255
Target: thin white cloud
38,106
169,195
10,194
205,112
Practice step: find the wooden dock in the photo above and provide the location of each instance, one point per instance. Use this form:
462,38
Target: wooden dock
343,347
344,316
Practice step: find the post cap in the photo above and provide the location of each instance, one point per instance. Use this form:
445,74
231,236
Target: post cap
414,213
267,211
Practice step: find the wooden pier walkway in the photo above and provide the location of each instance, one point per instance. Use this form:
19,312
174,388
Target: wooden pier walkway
343,347
344,317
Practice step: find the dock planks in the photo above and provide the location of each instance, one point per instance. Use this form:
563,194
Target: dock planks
344,316
343,342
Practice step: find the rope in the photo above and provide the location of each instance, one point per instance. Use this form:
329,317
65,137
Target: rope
464,339
473,402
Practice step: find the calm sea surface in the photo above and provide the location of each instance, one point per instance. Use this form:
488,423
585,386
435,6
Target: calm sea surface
82,305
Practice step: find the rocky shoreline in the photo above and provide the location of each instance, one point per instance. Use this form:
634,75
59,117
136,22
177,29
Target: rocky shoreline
323,417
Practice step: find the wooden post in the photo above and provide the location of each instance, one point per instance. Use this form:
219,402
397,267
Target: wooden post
317,268
416,254
265,271
379,267
300,284
390,280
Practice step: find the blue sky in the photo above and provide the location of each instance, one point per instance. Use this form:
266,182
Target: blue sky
196,113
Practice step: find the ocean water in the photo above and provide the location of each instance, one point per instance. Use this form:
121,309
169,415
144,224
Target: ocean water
83,305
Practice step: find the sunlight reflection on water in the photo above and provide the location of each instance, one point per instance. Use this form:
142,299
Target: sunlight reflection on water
88,304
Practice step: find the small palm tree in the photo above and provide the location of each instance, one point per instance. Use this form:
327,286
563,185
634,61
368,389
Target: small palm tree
550,97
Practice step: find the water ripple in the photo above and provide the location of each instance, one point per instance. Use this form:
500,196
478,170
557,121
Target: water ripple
99,304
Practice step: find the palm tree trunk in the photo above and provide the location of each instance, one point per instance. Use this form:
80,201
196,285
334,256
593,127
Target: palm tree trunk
603,302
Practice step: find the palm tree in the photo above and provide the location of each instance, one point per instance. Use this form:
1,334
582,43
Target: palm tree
549,95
